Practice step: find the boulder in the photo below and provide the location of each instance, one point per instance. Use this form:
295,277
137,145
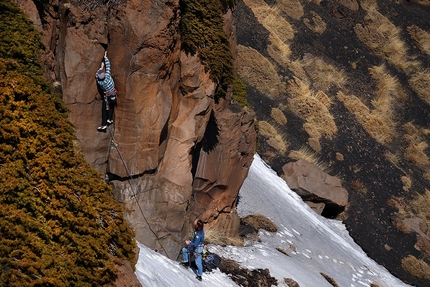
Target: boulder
313,184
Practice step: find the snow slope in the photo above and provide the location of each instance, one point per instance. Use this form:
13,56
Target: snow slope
314,244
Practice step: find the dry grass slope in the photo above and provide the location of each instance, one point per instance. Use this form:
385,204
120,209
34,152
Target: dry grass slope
278,116
323,75
258,72
292,8
416,267
420,82
271,19
303,103
415,151
383,37
421,37
307,154
274,138
315,24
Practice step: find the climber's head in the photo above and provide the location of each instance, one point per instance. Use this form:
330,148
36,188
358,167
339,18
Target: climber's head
101,74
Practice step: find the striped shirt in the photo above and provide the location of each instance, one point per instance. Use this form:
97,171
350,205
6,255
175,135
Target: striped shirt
107,83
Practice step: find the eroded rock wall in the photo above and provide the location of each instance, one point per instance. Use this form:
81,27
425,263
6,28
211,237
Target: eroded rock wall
177,154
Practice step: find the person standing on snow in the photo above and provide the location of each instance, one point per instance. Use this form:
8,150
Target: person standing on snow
196,246
106,84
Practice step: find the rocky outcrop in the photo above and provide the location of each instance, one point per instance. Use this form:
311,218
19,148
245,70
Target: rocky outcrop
176,154
314,185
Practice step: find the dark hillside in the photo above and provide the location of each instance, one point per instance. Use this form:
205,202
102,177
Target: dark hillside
59,224
352,85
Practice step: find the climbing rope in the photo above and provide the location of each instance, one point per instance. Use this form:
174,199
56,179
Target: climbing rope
133,185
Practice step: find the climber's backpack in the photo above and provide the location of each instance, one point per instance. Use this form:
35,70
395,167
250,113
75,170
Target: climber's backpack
211,262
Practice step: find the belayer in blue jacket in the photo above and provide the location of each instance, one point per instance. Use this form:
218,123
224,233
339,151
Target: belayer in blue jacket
107,86
195,246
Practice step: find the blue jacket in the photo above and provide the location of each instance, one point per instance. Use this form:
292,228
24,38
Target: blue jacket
198,239
107,84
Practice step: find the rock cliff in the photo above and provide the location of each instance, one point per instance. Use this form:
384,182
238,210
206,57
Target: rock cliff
173,153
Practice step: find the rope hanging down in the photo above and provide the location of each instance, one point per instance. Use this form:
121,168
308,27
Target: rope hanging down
133,185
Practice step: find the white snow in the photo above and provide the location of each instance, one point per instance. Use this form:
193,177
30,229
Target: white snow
321,245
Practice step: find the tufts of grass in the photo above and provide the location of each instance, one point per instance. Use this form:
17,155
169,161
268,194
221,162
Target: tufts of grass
271,19
323,98
214,236
421,206
324,75
309,155
274,138
421,37
303,103
358,186
420,83
374,122
278,116
315,24
407,183
257,71
416,267
279,50
292,8
383,37
415,151
351,5
259,221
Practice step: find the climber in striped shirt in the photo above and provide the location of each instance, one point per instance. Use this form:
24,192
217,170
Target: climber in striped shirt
107,86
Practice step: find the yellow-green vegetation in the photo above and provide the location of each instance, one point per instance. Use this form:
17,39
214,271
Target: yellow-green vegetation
278,116
415,151
421,37
315,24
259,221
420,82
383,37
60,225
257,71
202,33
274,138
416,267
303,103
239,92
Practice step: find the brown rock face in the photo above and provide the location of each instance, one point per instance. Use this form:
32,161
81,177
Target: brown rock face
312,184
176,154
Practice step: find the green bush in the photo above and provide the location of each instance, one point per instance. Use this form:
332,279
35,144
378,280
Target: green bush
59,224
239,92
202,33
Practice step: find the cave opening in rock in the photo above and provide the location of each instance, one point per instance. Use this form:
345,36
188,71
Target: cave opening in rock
207,144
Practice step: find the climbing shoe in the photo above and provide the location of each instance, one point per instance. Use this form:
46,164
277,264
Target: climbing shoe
199,278
102,129
185,264
109,122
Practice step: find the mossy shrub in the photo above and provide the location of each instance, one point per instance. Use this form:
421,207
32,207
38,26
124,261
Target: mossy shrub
59,223
202,33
